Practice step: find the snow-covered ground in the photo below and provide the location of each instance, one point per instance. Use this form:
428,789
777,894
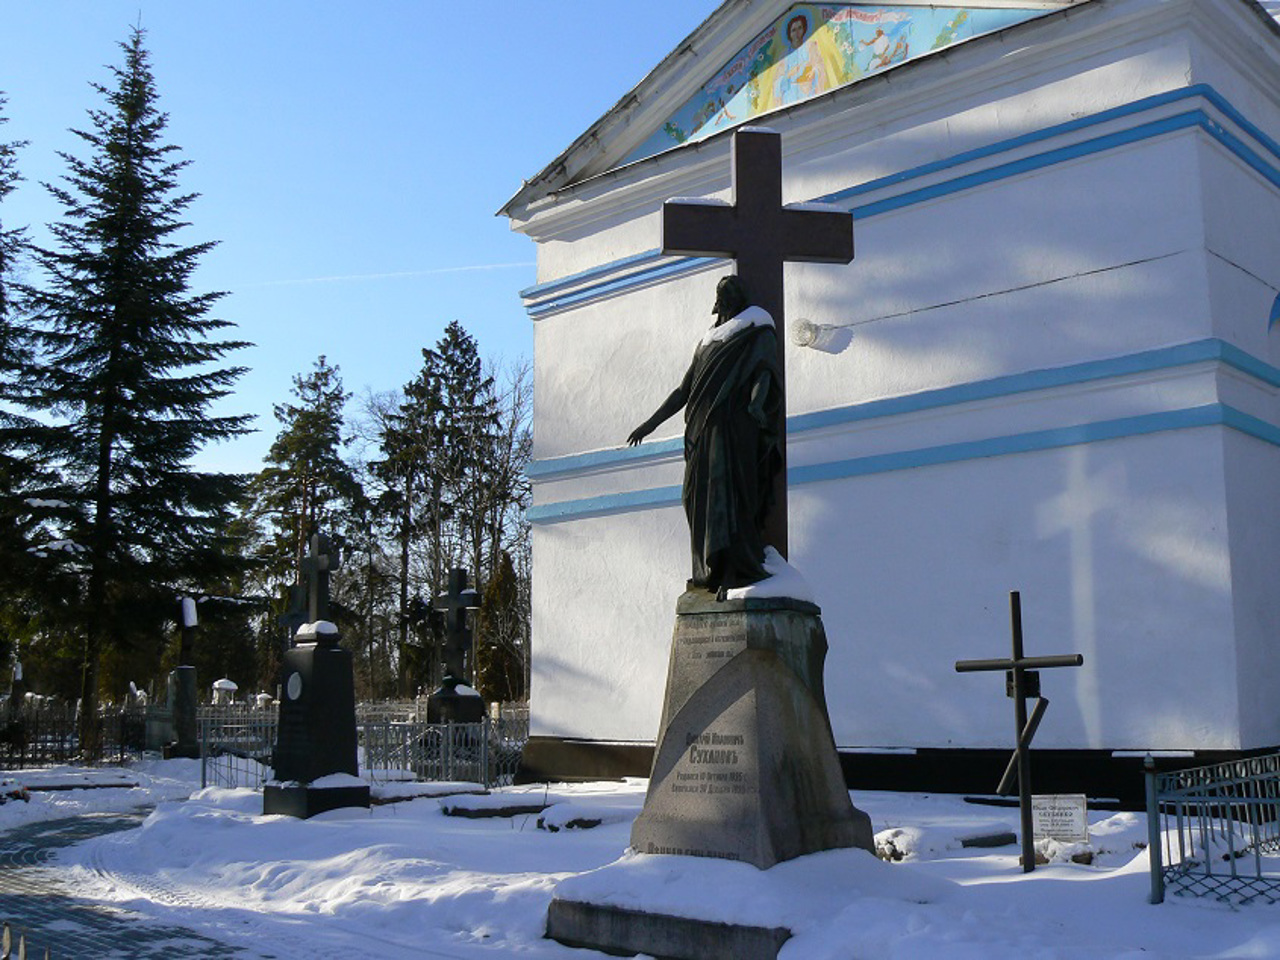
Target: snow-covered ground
406,880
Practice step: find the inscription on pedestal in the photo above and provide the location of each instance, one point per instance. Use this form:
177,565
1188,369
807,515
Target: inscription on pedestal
745,767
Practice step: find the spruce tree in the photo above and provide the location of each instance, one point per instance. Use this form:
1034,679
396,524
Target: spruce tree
133,364
22,478
411,502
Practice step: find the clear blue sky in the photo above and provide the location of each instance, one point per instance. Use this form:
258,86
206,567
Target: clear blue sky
350,156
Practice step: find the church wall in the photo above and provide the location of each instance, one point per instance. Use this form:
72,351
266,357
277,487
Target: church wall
1041,395
1119,550
1253,472
602,623
1242,238
996,280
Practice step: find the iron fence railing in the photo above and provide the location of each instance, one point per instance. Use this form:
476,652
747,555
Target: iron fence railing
487,752
1214,831
43,734
236,746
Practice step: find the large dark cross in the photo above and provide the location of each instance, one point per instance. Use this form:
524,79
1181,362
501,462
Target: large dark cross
760,234
316,565
454,604
1022,681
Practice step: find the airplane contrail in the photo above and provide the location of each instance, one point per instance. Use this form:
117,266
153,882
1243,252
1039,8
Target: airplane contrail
392,276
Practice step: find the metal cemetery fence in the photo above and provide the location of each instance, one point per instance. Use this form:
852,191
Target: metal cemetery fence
487,752
40,734
1214,831
394,745
236,742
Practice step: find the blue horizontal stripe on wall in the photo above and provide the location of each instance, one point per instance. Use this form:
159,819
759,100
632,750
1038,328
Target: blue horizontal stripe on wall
541,469
597,506
1188,120
1147,361
1212,414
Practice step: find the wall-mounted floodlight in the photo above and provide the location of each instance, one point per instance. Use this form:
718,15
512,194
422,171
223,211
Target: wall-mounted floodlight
820,336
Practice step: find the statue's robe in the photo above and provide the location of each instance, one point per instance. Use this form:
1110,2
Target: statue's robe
730,460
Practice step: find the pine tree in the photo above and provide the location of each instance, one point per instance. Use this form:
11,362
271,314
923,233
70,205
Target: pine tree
132,361
306,487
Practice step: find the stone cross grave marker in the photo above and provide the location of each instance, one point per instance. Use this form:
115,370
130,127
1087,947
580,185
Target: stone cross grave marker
454,604
1022,682
321,559
760,234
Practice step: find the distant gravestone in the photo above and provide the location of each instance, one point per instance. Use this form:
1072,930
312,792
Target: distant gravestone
456,701
182,695
317,732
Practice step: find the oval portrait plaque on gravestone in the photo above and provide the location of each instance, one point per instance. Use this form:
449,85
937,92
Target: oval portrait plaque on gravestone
294,686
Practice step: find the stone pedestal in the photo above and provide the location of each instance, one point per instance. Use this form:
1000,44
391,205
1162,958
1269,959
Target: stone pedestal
745,766
745,769
182,704
449,705
317,734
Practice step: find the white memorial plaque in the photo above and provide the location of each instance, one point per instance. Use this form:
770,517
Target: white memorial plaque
294,687
1060,816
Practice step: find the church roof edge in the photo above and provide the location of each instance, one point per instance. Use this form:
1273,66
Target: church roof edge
573,163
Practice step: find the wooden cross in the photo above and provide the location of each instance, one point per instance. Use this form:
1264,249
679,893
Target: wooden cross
1022,682
760,234
454,604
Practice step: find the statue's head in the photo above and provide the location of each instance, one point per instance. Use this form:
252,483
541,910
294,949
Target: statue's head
731,299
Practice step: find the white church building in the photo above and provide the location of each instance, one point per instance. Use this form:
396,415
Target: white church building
1050,368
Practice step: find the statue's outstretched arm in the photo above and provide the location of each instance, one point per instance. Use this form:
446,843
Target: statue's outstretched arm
669,406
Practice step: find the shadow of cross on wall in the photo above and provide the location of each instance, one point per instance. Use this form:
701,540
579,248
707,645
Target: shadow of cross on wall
454,604
761,234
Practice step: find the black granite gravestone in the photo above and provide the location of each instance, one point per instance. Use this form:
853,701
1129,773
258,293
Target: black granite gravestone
317,733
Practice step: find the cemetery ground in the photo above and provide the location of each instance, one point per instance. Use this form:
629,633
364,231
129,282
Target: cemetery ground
206,874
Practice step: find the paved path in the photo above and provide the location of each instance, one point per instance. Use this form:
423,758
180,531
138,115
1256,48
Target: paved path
37,899
36,902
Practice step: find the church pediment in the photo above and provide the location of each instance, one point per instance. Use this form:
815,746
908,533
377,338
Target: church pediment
813,48
750,59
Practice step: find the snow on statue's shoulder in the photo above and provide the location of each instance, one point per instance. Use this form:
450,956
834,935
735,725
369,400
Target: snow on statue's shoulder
463,690
784,580
753,316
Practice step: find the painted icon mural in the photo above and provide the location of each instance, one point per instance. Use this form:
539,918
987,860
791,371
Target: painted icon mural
813,48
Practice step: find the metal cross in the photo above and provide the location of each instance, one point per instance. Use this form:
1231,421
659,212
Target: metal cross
454,604
760,234
1022,681
321,559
